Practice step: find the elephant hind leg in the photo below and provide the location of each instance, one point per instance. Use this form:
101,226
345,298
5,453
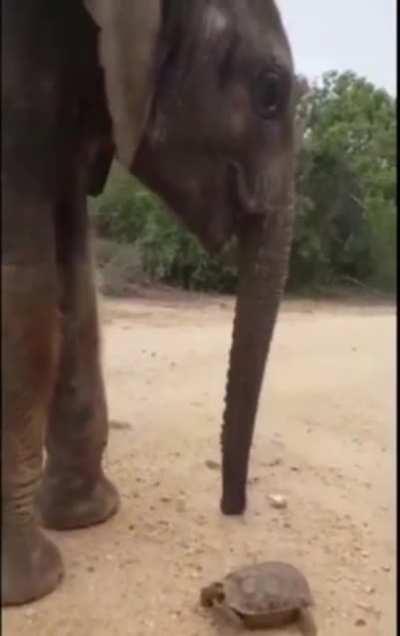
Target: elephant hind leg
31,564
75,492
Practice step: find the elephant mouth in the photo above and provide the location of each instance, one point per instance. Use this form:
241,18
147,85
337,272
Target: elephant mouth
212,205
244,200
239,204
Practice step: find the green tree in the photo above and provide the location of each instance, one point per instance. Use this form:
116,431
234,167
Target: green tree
346,182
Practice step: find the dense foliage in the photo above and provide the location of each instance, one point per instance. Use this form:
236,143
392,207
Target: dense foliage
346,184
346,200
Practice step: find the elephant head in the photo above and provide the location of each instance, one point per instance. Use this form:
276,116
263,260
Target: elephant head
206,121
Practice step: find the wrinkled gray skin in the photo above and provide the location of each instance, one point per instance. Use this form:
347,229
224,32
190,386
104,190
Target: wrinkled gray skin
195,98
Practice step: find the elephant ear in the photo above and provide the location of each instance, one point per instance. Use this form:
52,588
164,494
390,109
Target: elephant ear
129,32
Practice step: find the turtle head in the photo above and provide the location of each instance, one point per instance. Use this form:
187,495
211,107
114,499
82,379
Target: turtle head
212,594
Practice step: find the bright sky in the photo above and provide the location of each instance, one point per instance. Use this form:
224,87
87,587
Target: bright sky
357,35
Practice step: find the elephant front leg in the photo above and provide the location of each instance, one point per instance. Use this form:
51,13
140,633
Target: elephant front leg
75,492
30,565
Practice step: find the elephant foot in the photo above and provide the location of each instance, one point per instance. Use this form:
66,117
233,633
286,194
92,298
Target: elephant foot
31,566
63,507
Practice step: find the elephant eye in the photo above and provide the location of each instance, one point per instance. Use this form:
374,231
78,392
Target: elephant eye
269,93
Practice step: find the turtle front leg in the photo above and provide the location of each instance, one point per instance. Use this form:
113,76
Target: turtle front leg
306,622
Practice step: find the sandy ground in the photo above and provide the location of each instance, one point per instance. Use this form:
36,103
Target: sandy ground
325,440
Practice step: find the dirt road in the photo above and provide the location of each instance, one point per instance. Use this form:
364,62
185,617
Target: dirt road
325,440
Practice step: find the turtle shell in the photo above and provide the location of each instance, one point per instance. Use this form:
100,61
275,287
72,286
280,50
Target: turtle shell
267,589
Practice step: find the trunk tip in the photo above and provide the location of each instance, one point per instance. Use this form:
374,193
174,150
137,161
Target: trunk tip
233,505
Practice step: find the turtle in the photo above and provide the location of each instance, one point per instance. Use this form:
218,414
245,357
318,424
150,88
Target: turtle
265,595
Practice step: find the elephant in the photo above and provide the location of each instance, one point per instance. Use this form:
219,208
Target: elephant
196,100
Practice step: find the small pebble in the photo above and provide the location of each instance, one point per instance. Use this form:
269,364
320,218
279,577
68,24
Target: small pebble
181,505
365,606
276,462
360,622
119,426
212,465
194,575
278,501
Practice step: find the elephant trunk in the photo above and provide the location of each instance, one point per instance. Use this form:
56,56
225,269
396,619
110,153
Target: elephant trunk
264,248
